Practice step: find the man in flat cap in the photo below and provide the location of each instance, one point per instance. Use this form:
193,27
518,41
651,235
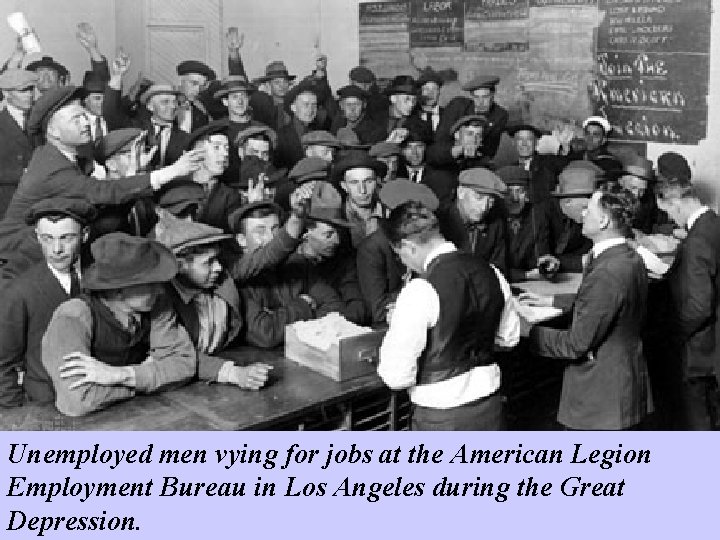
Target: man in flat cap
354,114
51,74
206,300
482,103
594,147
476,223
195,77
444,328
57,169
220,199
18,87
401,116
182,198
120,338
363,78
60,227
466,150
320,144
161,101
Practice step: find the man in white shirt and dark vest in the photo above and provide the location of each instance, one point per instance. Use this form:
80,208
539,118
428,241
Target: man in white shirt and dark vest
440,344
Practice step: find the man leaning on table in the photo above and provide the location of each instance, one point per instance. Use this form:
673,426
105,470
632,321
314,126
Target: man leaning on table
605,383
440,344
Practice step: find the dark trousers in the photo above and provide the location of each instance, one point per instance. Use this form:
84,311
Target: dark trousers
484,414
698,401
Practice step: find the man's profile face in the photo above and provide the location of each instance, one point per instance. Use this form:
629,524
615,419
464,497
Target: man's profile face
360,184
258,232
574,207
217,153
60,242
201,270
70,125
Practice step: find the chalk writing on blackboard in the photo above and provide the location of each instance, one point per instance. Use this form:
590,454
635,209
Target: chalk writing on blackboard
437,24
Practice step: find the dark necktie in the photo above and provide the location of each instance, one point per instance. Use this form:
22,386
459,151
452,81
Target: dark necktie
588,263
74,284
415,176
98,128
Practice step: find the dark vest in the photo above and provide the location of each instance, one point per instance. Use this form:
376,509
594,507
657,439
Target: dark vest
471,305
111,343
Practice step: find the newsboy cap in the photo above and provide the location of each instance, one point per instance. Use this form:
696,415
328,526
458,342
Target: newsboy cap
483,181
252,131
17,79
352,91
319,137
309,168
113,142
178,235
156,90
76,208
358,159
236,217
402,190
48,104
195,66
482,81
180,195
468,119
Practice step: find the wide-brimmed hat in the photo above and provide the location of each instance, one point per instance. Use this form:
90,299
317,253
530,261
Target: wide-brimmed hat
17,79
402,190
362,75
639,167
384,149
326,206
49,103
321,138
304,87
113,142
352,91
359,159
402,84
234,83
76,208
576,182
195,66
513,130
349,140
123,261
276,70
157,89
178,235
429,75
48,62
483,180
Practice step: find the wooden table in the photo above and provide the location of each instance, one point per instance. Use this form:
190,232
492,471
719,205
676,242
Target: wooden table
294,396
564,283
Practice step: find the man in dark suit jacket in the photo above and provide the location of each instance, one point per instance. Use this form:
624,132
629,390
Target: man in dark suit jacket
60,229
18,87
57,169
402,115
605,384
353,114
694,280
430,111
483,104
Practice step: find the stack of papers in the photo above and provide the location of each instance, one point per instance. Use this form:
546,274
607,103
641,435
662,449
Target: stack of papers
328,331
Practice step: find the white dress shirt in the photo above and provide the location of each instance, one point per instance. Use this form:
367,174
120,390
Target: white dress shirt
17,114
93,118
416,174
695,215
417,310
64,277
604,245
434,115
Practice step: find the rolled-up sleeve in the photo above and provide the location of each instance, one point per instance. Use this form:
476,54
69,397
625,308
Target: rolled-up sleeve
417,309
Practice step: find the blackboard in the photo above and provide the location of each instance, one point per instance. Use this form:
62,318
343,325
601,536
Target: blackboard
644,64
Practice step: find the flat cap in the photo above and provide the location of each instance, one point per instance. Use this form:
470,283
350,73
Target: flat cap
513,130
113,142
253,131
384,149
309,168
482,180
233,83
326,206
482,81
587,165
600,121
322,138
48,62
76,208
402,190
352,91
158,89
178,235
348,139
430,75
48,104
211,128
362,75
576,182
195,66
512,175
640,167
238,215
179,196
17,79
674,166
468,119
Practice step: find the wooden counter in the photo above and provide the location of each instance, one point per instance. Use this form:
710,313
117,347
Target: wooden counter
568,283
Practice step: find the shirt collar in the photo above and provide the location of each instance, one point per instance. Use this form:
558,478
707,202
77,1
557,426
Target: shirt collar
442,249
695,215
185,293
17,114
604,245
433,111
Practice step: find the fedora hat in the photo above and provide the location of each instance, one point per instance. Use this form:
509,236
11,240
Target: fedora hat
326,206
402,190
276,70
123,261
157,89
234,83
576,182
402,84
48,62
359,159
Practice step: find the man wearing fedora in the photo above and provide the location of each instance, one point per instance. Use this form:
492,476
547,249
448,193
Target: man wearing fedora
51,74
280,293
401,116
60,227
605,383
118,340
476,223
206,300
18,87
59,169
161,101
328,259
482,103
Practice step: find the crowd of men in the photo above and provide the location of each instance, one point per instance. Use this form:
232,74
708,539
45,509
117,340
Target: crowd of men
148,227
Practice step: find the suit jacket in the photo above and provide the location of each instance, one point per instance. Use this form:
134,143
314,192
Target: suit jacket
26,310
413,123
367,129
694,280
605,384
443,182
428,120
531,241
380,274
458,107
15,153
52,174
116,117
218,205
290,149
